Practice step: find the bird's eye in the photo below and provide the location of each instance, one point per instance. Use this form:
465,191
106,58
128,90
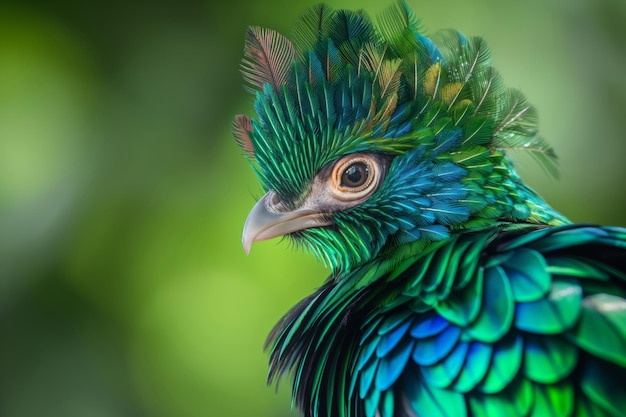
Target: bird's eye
355,176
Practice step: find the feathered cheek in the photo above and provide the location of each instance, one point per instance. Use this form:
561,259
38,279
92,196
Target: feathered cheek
420,202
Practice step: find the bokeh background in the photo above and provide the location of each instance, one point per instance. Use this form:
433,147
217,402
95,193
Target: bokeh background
124,290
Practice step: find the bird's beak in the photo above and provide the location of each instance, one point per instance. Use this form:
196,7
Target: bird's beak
266,220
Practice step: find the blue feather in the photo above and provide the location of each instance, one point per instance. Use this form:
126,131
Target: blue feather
393,364
443,373
430,48
431,349
391,339
475,368
430,326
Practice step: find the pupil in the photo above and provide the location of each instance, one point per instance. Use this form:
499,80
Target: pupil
355,175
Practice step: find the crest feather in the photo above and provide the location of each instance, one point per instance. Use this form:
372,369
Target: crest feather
310,27
242,127
348,86
399,28
268,58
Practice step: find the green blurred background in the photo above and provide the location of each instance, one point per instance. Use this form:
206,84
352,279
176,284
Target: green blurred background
124,290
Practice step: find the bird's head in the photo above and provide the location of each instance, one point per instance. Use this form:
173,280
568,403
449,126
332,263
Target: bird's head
374,137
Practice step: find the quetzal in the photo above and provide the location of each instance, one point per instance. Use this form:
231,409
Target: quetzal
455,289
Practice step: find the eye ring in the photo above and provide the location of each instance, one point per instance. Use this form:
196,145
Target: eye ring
355,176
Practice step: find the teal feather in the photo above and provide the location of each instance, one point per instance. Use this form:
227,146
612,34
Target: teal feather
462,307
393,322
455,290
368,374
530,276
368,347
432,349
389,340
548,359
516,400
371,403
392,365
559,311
443,373
388,405
427,400
505,364
575,268
475,367
602,314
496,315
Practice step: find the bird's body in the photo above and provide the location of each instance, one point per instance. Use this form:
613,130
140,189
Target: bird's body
455,289
497,323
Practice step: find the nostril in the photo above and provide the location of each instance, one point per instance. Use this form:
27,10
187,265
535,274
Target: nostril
275,200
274,203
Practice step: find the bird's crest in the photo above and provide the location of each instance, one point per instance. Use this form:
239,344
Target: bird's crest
344,84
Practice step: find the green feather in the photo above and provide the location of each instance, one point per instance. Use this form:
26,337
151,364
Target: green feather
553,400
475,367
432,401
604,392
496,313
505,364
532,275
548,359
516,400
311,27
573,267
442,374
605,315
398,26
559,311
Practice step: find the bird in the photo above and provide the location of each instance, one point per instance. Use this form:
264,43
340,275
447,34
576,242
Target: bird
454,289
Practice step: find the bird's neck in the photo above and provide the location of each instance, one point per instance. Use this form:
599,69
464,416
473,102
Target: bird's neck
508,199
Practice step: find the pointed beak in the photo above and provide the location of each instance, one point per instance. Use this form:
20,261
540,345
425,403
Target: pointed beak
267,221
